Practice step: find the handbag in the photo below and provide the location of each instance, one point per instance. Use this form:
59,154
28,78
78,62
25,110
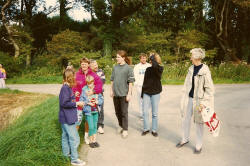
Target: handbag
211,120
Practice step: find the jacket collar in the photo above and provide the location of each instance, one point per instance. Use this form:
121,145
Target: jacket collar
204,69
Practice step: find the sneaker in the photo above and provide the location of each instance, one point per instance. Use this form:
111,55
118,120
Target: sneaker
145,132
197,151
141,118
78,162
100,130
124,134
96,144
119,130
155,134
86,138
92,145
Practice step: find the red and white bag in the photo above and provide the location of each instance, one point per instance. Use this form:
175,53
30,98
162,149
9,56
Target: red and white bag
211,120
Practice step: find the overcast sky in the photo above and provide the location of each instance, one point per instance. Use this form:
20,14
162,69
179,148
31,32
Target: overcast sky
77,14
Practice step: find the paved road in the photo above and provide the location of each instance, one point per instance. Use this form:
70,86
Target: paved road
231,148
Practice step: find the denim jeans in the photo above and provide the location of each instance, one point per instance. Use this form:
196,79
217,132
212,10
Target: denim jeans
150,100
70,141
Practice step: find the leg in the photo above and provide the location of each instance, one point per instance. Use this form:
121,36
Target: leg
124,112
79,117
146,106
187,121
95,121
101,116
155,102
199,135
90,124
117,106
138,90
74,140
65,142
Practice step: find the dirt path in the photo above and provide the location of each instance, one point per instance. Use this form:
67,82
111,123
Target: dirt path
229,149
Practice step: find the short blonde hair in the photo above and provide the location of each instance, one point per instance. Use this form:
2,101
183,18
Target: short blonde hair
198,53
89,79
157,57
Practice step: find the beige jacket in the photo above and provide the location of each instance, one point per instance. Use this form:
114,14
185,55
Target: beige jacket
203,91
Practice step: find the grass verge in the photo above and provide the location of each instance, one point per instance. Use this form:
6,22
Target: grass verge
34,139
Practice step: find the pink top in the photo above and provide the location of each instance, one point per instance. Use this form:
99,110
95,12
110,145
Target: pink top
81,82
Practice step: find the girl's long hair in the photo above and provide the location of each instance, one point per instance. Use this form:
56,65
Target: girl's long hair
69,77
123,54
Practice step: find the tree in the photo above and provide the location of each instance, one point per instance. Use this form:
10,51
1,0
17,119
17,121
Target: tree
8,29
110,14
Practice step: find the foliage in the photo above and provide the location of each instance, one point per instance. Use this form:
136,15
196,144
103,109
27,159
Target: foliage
65,45
11,65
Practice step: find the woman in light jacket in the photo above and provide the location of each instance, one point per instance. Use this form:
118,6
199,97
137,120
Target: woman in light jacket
198,92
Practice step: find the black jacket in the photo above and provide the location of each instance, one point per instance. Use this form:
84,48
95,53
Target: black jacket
152,79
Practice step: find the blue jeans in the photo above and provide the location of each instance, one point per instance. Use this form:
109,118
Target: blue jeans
148,101
70,141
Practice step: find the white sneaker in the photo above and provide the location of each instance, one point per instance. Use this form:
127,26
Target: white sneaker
119,130
78,162
100,130
86,138
124,134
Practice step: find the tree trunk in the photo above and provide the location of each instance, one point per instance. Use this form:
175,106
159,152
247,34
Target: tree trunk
63,13
222,34
4,20
107,47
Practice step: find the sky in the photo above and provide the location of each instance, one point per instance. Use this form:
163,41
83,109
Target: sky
76,13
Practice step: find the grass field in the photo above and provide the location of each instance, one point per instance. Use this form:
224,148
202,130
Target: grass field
34,139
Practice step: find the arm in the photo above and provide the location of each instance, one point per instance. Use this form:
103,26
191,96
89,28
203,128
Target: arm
98,84
100,99
136,73
103,77
156,67
65,99
208,89
111,90
131,79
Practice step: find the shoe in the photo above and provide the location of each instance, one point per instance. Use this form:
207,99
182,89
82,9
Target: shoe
78,162
144,133
96,144
197,151
155,134
100,130
180,144
86,138
92,145
119,130
124,134
141,118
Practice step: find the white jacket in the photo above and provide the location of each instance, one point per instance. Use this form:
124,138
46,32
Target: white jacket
203,91
139,72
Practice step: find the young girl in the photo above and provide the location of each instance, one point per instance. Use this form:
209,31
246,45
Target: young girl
92,101
68,118
121,82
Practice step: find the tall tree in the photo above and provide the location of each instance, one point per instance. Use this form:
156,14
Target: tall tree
110,14
8,29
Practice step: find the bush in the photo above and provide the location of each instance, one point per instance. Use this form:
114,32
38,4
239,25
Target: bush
10,64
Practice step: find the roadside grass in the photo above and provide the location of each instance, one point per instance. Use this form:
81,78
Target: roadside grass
34,139
173,74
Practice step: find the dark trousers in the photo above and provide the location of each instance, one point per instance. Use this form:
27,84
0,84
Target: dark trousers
121,111
101,116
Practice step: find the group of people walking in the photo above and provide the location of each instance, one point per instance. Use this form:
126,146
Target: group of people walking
82,95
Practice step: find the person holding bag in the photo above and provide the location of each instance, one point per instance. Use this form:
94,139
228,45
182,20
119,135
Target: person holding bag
198,93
